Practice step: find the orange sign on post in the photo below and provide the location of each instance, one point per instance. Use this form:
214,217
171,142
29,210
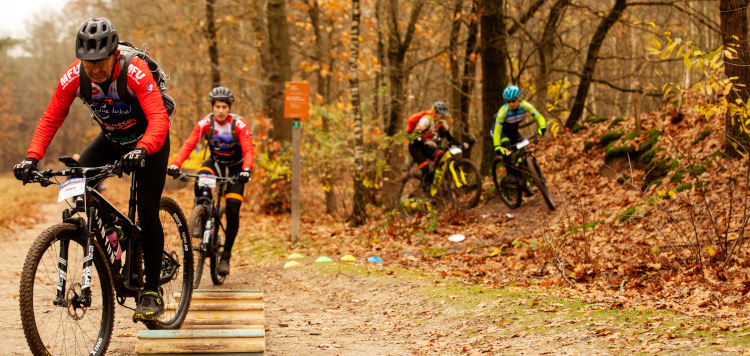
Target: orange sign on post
296,100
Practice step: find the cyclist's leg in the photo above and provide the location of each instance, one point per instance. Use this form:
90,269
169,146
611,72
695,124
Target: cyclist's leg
100,152
419,151
508,137
150,180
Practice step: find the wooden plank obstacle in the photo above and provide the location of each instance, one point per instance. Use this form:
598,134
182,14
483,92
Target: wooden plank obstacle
217,323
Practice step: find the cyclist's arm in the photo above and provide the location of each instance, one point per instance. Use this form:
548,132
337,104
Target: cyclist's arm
199,131
444,132
242,129
499,125
538,116
56,112
141,83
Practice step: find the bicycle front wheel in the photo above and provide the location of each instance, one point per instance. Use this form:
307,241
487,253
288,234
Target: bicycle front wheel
541,183
69,326
197,224
507,190
176,280
220,223
464,183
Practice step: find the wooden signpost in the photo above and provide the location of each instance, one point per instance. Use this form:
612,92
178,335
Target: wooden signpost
296,107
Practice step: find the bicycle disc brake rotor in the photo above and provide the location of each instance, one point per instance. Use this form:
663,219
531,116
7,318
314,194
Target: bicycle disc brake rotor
75,309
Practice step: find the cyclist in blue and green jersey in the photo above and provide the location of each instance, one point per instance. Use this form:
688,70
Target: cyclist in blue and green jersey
506,133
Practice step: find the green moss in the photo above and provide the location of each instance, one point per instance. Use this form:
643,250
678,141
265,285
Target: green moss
627,214
656,182
674,164
702,135
650,142
631,136
696,169
616,122
683,187
589,145
717,153
611,136
595,119
577,128
677,177
617,151
648,156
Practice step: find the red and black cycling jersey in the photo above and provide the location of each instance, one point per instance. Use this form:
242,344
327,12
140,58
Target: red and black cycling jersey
142,124
223,147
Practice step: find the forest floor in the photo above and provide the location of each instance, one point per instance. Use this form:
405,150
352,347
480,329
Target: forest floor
365,308
629,263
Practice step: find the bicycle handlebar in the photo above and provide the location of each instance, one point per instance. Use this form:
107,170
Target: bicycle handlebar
185,177
108,170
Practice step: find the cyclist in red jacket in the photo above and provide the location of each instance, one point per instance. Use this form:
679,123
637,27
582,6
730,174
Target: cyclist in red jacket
424,129
132,131
231,144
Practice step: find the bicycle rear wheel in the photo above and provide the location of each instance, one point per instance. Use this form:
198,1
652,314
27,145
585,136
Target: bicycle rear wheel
464,183
413,200
541,183
176,281
508,191
197,224
218,246
68,328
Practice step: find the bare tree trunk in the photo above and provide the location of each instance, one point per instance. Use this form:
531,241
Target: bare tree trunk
546,52
359,215
379,82
213,46
494,49
734,36
459,119
278,37
396,75
591,58
470,69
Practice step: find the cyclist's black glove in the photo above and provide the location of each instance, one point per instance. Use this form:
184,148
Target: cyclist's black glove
245,175
542,130
173,170
23,170
132,160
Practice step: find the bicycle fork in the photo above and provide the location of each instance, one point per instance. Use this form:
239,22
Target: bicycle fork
84,299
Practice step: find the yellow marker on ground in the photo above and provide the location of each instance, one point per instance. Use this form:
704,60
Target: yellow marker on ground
291,264
348,258
295,255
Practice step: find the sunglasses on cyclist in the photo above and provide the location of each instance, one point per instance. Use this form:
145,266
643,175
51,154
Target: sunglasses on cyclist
96,63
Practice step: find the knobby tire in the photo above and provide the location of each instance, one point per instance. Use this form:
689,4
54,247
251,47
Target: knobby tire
197,225
510,196
67,329
538,177
467,195
218,247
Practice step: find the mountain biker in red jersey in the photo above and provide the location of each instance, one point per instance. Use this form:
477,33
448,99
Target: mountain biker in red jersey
132,131
424,129
231,144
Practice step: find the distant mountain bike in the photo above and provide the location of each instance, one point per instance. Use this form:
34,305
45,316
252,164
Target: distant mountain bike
207,225
75,270
455,178
510,187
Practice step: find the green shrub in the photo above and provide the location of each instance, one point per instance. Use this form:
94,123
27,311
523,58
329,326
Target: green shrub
683,187
677,177
696,169
627,214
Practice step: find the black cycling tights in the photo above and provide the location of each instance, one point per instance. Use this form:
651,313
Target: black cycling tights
150,183
233,197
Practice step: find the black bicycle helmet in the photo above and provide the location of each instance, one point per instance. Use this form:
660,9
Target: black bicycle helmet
221,93
441,108
96,39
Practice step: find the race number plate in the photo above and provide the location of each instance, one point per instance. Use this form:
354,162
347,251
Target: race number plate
71,188
522,144
207,181
454,150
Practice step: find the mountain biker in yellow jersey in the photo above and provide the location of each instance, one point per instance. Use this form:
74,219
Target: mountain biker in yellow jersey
231,144
132,131
424,129
505,133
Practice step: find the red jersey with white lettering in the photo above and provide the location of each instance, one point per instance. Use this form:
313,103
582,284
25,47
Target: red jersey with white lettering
143,123
223,147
